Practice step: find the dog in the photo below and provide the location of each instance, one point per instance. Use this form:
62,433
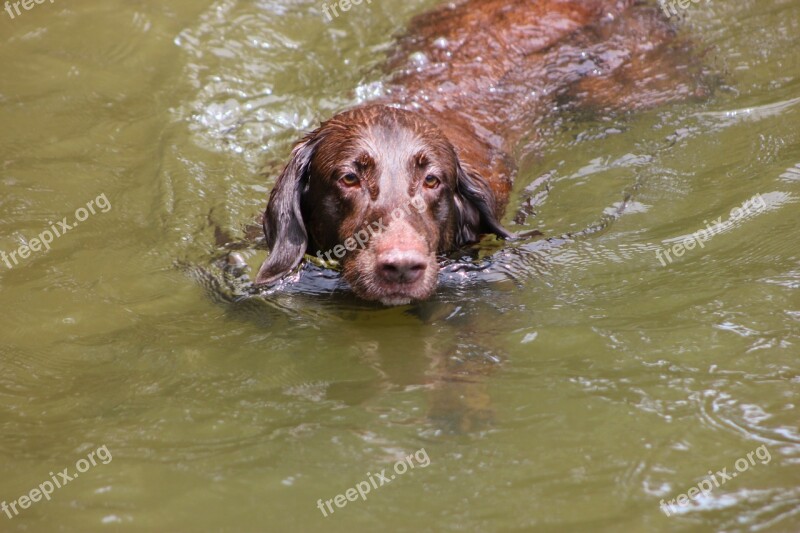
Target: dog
469,83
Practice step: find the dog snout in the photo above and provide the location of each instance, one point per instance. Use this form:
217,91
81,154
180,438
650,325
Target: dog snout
401,266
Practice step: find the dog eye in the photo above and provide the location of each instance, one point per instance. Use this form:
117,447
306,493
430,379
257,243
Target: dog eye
431,181
349,180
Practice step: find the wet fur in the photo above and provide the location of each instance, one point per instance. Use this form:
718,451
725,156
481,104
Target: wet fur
495,69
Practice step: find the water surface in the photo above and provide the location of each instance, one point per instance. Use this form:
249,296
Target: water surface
571,388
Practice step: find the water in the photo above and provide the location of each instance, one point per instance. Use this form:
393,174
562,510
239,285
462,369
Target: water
572,384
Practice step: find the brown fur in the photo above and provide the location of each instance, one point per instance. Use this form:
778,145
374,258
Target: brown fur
469,83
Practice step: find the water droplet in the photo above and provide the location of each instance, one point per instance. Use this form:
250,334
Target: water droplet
418,59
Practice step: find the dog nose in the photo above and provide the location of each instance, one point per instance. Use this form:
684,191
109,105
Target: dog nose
401,266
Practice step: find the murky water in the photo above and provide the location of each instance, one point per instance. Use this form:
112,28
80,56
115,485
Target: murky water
570,384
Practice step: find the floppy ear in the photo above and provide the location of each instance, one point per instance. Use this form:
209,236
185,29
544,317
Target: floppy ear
283,220
475,201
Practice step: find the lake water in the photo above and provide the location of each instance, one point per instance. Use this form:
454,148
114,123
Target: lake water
572,385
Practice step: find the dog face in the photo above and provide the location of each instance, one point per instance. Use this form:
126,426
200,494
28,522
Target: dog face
381,190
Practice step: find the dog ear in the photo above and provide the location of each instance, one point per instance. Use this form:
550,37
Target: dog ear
474,202
284,228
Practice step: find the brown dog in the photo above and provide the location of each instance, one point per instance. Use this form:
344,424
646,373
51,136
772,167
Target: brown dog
388,186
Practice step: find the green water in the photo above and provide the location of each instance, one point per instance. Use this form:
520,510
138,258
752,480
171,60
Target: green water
573,397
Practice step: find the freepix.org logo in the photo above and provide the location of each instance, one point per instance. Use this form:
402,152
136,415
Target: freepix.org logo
12,8
362,488
715,480
46,488
58,229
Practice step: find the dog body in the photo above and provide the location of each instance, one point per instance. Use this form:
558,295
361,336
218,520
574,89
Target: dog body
469,85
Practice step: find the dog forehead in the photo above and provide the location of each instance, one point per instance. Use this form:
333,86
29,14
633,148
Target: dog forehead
393,144
385,139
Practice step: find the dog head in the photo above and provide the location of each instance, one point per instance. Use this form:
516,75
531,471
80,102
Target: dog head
382,191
